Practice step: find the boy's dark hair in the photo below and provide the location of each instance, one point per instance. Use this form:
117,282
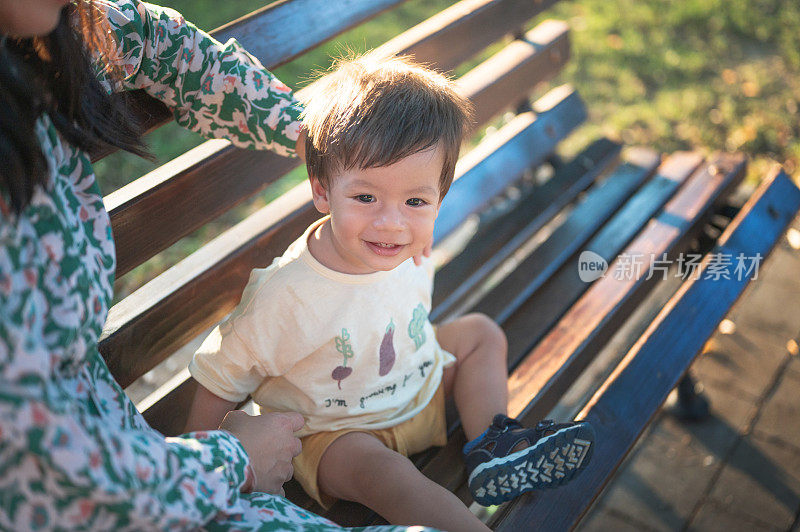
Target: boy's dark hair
370,113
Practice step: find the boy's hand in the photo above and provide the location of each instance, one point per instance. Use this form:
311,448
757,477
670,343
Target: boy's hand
426,252
270,443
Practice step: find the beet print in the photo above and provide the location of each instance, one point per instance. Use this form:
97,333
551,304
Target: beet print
340,373
386,352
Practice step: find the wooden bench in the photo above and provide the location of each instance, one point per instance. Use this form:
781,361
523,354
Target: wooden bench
510,239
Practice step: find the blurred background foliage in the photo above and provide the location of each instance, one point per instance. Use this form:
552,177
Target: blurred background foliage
695,74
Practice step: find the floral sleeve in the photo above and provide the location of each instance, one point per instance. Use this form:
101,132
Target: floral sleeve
218,90
110,478
74,452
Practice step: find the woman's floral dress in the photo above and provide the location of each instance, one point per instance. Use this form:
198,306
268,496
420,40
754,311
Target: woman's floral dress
74,451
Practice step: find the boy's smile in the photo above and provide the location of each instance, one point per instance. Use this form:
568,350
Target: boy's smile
380,217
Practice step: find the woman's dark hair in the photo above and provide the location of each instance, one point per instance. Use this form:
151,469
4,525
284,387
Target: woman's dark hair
54,75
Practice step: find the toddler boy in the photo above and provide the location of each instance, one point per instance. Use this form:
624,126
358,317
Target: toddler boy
337,328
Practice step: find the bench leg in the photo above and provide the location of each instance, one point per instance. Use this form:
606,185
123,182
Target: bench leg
692,404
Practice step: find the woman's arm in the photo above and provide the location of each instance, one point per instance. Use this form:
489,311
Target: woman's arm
75,468
218,90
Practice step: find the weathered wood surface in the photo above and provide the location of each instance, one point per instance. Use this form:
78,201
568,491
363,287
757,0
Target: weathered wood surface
583,221
462,30
491,167
560,357
524,63
167,204
314,22
652,368
531,321
179,304
495,242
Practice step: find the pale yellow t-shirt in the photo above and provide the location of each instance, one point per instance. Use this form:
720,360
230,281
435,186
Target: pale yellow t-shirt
343,350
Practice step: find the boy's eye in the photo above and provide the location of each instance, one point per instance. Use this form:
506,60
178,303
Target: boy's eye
415,202
365,198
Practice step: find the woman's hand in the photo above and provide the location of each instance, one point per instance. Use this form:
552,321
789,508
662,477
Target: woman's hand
426,252
270,443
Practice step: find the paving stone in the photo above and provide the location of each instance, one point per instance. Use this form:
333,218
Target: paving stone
712,518
731,413
745,361
672,469
605,521
774,294
778,418
794,365
761,480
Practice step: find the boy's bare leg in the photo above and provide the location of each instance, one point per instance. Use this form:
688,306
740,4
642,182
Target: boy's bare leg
359,467
478,381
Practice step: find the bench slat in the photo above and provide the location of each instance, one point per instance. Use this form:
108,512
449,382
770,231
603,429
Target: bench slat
528,325
199,291
440,40
493,165
165,205
655,364
540,378
158,209
497,241
538,56
316,21
584,220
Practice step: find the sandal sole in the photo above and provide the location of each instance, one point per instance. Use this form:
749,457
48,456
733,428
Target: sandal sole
554,460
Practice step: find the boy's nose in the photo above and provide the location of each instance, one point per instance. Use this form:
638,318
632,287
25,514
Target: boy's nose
389,219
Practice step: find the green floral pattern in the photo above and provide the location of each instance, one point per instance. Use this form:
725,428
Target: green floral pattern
74,451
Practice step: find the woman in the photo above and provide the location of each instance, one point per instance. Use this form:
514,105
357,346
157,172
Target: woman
74,452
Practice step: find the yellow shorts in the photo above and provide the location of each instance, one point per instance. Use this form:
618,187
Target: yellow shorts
426,429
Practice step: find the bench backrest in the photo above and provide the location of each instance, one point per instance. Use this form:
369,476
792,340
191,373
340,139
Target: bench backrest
157,210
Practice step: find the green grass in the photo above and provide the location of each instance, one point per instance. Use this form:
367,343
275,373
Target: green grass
695,74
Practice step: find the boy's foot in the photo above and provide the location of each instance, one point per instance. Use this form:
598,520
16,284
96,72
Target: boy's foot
509,459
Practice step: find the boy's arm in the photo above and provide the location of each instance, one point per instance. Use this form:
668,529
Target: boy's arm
207,410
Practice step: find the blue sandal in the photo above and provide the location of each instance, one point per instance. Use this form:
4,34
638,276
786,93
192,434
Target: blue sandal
509,459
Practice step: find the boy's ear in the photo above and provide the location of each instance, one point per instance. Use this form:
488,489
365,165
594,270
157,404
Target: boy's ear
319,196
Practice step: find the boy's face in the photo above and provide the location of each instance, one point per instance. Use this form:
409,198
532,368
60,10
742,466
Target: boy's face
380,217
